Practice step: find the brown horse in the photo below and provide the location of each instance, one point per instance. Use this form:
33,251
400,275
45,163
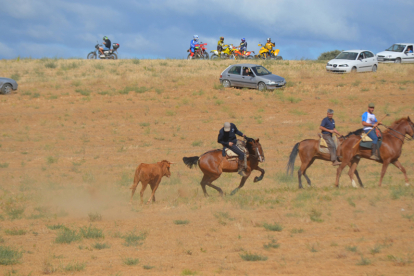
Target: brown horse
213,164
390,150
308,151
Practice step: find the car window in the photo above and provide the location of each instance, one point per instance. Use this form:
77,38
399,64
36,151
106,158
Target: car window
409,48
396,48
261,71
247,72
347,56
235,70
368,54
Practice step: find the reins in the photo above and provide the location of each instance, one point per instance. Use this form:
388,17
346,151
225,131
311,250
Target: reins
396,131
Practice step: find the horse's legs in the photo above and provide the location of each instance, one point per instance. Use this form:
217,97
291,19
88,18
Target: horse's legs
301,170
304,172
207,180
243,180
258,178
203,184
339,171
383,170
141,193
351,171
399,166
359,179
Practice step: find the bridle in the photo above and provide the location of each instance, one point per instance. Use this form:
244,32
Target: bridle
404,136
256,151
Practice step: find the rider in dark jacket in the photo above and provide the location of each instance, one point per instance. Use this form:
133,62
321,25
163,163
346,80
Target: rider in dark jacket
227,137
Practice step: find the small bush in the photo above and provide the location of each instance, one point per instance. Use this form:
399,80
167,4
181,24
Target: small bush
15,76
4,165
75,267
130,261
147,267
94,217
15,232
329,55
101,246
91,232
83,92
273,227
296,231
135,61
51,65
352,248
253,257
197,143
364,261
218,86
293,99
132,239
181,222
188,272
315,216
272,244
66,235
15,212
9,256
56,227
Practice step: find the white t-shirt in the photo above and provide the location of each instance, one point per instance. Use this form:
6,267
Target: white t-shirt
368,118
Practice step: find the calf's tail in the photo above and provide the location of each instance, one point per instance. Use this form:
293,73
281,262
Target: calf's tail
137,178
191,161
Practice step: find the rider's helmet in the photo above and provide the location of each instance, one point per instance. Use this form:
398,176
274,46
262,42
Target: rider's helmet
105,38
269,39
243,39
222,38
195,37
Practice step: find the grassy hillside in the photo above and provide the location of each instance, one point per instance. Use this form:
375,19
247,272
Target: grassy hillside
74,132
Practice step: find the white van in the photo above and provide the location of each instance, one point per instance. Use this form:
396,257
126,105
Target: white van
397,53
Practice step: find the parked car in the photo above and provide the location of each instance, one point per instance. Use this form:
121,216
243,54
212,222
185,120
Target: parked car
397,53
7,85
251,76
353,61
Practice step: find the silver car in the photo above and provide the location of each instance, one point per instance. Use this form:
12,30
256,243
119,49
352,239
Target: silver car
7,85
251,76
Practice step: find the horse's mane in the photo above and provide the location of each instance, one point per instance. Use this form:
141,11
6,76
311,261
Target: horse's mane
399,121
356,132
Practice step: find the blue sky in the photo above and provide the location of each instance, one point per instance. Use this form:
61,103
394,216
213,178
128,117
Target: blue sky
164,29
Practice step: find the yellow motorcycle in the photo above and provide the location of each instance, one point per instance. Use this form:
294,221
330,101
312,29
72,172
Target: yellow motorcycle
227,53
265,53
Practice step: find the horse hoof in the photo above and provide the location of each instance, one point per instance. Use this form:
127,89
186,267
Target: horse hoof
407,184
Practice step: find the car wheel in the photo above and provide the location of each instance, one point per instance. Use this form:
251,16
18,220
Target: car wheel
91,55
6,89
226,83
261,86
374,68
398,60
353,70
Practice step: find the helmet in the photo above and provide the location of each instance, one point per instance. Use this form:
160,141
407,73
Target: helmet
222,38
195,37
105,38
243,39
269,39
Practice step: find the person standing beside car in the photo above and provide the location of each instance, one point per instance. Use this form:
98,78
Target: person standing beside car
106,44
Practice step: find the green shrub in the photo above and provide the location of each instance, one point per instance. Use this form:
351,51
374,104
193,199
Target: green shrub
132,239
101,246
15,212
75,267
91,232
188,272
15,232
273,227
329,55
147,267
253,257
9,256
181,222
94,217
65,235
51,64
15,76
56,226
315,216
130,261
272,244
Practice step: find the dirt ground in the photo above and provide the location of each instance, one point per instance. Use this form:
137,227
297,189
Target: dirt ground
74,132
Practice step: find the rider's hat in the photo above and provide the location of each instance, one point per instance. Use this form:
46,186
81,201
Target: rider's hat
372,105
226,126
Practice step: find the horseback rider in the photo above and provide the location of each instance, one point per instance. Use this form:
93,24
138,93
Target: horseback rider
369,121
227,137
328,127
220,45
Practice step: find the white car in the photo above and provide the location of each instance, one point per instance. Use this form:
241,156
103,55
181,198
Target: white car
353,61
397,53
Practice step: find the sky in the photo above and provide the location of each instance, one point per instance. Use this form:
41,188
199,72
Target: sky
301,29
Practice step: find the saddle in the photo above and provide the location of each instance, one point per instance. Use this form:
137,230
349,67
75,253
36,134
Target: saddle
231,155
323,146
366,141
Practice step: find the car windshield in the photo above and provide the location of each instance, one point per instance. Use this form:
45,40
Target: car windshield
347,55
261,71
396,48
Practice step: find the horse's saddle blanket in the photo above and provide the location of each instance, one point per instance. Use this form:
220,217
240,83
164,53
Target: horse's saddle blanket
231,154
365,138
323,146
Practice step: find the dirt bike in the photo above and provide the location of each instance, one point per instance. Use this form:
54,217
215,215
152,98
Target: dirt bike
109,54
227,53
264,53
239,54
200,52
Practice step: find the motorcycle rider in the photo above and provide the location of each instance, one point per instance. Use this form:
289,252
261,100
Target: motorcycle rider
243,46
220,45
106,44
269,45
193,44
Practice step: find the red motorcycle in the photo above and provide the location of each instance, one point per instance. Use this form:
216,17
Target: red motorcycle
239,55
200,51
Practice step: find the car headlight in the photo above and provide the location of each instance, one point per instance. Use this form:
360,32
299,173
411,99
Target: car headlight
271,82
343,65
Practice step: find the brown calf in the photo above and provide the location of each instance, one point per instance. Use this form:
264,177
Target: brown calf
150,174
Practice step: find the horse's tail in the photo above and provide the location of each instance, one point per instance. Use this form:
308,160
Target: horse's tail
191,161
291,164
137,177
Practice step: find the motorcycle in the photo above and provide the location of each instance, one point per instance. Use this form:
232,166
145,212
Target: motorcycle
239,55
109,54
200,52
227,53
264,53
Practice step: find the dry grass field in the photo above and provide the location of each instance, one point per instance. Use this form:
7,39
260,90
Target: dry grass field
74,132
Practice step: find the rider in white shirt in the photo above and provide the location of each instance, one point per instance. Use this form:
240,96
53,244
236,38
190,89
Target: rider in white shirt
369,121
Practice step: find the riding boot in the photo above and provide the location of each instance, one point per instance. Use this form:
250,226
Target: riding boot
374,154
242,167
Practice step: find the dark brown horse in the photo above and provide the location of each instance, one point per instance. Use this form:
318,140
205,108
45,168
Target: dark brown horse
308,151
213,164
390,150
